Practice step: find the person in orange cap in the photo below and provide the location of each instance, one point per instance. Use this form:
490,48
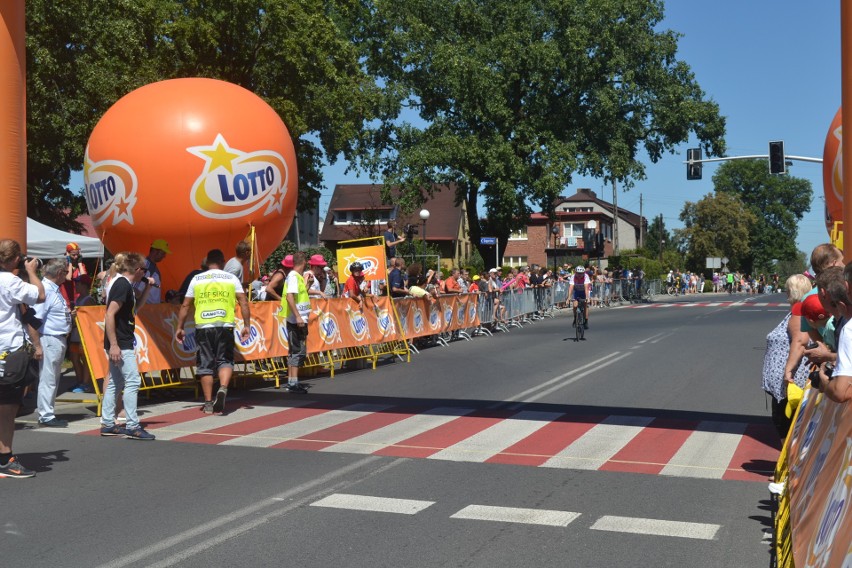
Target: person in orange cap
76,268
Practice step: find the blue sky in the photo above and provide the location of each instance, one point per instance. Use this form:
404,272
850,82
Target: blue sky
774,68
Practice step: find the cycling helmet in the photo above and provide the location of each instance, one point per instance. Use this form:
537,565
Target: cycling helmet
580,270
356,267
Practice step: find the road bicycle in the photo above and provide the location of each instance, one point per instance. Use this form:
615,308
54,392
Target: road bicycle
580,321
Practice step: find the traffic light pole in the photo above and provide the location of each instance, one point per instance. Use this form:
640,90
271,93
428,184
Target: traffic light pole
757,156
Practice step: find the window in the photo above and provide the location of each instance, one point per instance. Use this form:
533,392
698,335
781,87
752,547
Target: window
572,229
519,235
578,209
515,261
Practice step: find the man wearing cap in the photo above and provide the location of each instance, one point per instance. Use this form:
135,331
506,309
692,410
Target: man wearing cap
158,251
296,308
315,277
56,325
354,287
331,289
235,264
214,294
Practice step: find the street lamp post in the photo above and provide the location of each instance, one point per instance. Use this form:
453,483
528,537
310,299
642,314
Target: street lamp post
555,231
593,225
424,216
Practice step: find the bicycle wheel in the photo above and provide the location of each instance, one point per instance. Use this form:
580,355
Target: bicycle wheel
579,330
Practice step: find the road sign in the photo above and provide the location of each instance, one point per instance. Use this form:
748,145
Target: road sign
488,240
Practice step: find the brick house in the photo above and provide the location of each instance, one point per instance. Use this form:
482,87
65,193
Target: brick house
537,243
356,210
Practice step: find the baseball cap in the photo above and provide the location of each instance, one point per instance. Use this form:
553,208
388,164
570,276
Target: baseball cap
288,261
327,268
71,246
161,244
476,276
493,270
812,309
317,260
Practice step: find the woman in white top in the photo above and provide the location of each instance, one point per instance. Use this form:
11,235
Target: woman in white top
13,293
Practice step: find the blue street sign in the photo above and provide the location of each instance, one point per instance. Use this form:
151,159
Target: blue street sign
488,240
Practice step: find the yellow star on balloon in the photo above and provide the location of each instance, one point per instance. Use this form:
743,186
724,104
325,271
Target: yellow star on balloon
220,156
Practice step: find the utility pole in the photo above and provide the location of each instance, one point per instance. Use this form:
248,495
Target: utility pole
641,224
615,218
662,233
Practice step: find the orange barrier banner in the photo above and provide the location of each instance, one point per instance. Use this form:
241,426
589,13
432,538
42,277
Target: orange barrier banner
333,324
820,483
419,317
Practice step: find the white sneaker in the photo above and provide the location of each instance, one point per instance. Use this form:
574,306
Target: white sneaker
777,488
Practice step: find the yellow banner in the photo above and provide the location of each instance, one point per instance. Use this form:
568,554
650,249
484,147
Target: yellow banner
372,257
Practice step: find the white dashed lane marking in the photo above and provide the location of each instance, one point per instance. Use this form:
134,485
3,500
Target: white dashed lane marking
373,504
656,527
516,515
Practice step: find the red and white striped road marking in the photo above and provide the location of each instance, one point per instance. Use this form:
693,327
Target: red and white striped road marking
635,444
740,304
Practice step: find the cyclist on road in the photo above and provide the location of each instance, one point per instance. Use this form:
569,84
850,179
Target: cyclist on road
579,290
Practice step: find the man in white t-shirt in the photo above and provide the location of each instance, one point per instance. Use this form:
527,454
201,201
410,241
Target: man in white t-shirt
296,307
214,294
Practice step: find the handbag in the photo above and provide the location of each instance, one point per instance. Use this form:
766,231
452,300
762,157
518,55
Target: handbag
16,368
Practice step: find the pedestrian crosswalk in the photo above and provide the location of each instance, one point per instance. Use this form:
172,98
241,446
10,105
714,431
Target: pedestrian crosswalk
530,437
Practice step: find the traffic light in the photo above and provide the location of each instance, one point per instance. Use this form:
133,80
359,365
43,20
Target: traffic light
693,168
588,241
777,163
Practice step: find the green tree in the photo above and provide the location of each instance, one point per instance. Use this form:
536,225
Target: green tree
719,226
778,202
657,239
518,96
83,55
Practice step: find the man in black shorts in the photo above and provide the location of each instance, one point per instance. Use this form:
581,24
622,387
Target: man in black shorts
214,294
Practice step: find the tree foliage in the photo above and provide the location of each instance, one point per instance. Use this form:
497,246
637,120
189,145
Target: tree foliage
83,55
519,96
778,202
717,226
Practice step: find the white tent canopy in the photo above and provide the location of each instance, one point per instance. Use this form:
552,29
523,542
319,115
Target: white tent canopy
47,242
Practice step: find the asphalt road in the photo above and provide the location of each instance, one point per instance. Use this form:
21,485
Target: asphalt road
647,444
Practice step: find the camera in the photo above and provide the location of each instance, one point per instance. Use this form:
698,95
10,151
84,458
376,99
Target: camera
410,229
22,266
811,345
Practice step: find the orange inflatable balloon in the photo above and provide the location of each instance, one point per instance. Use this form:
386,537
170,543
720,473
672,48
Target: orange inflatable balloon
195,162
832,172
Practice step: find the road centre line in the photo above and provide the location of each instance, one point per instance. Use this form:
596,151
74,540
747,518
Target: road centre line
650,338
249,517
663,337
545,517
656,527
595,365
572,380
373,504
